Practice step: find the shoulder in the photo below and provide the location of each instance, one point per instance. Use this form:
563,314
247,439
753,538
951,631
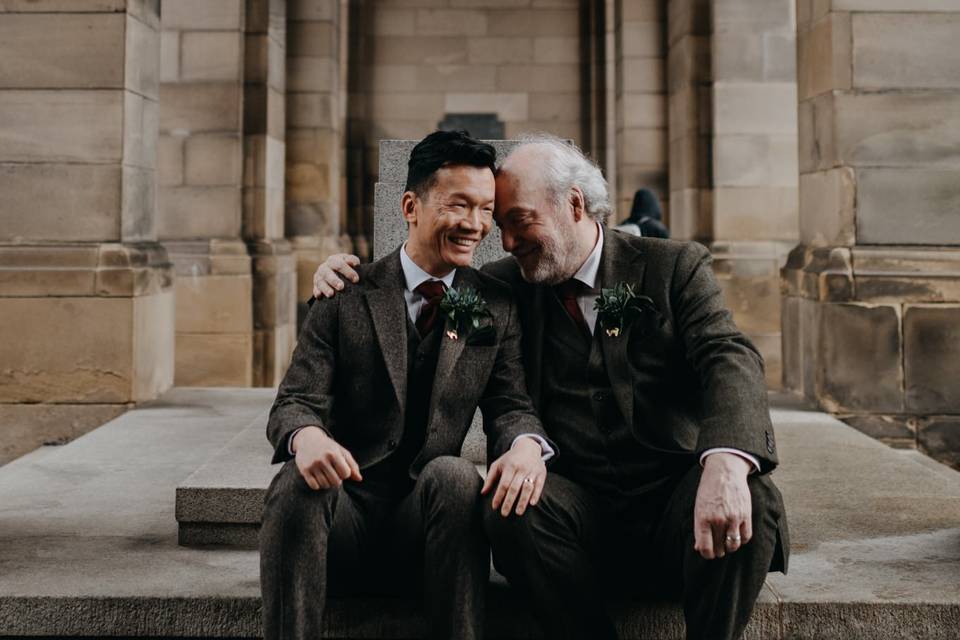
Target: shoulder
494,290
663,254
505,270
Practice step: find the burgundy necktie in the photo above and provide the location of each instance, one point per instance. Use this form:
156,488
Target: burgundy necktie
568,292
432,292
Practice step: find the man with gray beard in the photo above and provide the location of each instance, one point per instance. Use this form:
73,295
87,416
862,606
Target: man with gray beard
657,404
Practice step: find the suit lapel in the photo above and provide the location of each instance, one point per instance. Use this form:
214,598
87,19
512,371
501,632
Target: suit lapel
450,350
619,263
389,312
531,305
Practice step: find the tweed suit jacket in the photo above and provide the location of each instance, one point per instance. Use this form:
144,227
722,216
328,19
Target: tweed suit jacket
348,375
684,377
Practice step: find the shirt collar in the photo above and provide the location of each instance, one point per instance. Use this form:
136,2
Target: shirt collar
588,271
415,276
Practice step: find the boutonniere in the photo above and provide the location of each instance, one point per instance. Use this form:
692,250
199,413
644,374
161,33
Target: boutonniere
618,307
465,308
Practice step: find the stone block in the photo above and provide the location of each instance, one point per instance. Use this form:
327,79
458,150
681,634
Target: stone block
644,110
509,107
857,365
214,360
199,212
450,22
500,50
59,202
142,58
754,15
312,39
755,160
456,77
416,106
313,10
755,304
907,274
755,108
311,110
930,196
643,147
939,437
438,50
643,11
738,56
894,430
555,50
88,52
138,204
211,55
642,40
538,78
170,160
61,126
827,208
894,129
824,56
555,106
212,160
904,6
898,51
394,22
646,76
153,345
141,127
214,304
780,57
196,108
169,56
209,14
931,358
755,213
533,22
393,78
312,74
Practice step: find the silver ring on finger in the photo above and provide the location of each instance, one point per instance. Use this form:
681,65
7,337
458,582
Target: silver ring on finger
528,480
733,538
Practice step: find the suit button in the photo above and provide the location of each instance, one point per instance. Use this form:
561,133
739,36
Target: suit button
392,444
599,396
420,357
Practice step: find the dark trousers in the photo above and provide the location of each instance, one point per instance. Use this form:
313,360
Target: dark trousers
375,536
576,548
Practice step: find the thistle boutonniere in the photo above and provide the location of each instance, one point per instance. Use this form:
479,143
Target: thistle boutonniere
465,308
618,307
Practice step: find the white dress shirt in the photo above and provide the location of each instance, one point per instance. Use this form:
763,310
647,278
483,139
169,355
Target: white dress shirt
587,274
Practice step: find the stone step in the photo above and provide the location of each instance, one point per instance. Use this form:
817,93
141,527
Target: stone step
88,540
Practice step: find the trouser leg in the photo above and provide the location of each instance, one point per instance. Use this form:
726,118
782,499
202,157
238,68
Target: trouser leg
440,519
550,555
301,529
718,595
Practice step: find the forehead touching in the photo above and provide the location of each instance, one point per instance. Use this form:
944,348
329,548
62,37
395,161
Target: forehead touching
521,181
474,183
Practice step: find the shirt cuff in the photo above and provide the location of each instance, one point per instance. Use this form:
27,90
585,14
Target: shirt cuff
290,438
547,451
743,454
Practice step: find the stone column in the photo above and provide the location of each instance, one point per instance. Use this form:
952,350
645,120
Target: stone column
872,293
641,102
315,145
755,206
274,272
86,293
201,161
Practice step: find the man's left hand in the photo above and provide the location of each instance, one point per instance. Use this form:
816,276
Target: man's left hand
521,473
722,515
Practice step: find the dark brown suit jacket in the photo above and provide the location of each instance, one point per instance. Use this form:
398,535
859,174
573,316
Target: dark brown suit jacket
684,376
349,372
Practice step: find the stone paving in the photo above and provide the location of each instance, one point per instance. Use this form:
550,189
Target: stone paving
88,537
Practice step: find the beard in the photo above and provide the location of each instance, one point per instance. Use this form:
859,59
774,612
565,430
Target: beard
548,264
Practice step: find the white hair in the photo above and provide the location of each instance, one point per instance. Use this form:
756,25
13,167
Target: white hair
566,166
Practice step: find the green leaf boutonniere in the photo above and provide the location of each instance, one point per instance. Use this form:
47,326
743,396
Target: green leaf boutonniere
465,308
618,307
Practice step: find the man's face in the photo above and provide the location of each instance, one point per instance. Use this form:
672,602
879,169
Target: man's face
535,227
448,223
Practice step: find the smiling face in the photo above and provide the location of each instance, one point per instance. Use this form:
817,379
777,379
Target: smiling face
451,219
536,229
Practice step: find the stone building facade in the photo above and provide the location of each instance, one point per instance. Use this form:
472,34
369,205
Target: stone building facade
173,171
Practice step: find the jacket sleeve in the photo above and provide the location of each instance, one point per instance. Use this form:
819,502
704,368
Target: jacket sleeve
506,407
736,411
305,394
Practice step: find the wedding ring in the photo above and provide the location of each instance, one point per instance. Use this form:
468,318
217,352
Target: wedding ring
733,538
528,480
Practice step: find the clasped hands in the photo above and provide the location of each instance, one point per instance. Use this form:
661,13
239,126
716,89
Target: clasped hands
324,464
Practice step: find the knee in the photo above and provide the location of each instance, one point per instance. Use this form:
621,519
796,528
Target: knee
766,504
289,497
451,482
505,531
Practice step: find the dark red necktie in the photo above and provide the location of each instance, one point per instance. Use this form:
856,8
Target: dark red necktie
432,292
568,292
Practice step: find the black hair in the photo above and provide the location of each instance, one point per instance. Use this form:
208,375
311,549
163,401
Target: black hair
443,149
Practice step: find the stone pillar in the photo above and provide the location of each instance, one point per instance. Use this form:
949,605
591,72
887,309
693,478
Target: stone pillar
86,292
274,272
755,206
315,145
641,103
201,162
872,293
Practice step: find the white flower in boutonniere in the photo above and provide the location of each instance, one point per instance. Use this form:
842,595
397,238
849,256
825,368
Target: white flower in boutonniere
618,307
465,308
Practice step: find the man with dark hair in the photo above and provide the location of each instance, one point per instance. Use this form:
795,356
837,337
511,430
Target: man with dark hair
372,413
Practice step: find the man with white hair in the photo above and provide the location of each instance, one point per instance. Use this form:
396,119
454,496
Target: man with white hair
656,402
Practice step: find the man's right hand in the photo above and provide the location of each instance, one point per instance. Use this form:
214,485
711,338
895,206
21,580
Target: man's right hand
322,462
328,278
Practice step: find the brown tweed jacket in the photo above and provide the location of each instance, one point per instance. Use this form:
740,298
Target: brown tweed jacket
349,372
